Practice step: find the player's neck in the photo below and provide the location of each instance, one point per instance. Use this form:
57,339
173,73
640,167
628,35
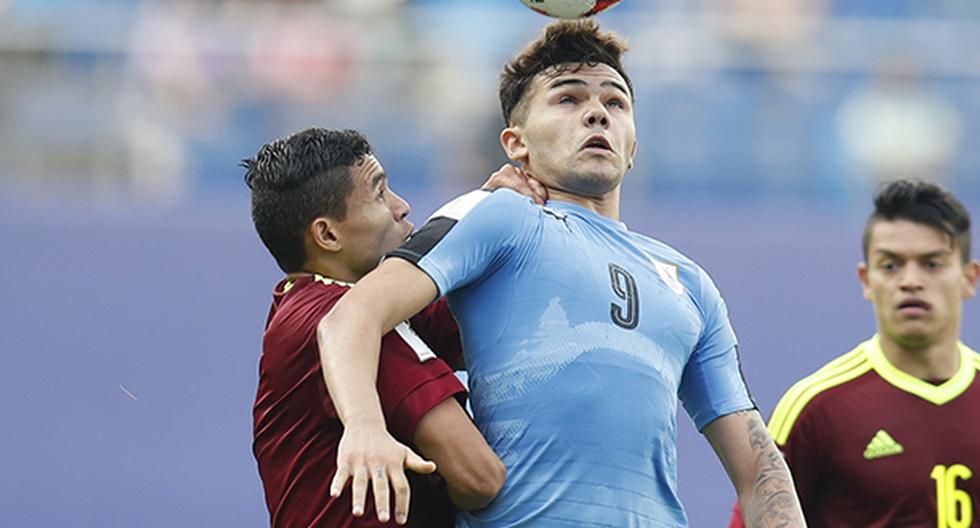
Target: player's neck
939,360
607,205
326,268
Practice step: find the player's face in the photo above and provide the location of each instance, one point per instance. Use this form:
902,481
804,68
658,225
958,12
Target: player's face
578,134
917,281
376,218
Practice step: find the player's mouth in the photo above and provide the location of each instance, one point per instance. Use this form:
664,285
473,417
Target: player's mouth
597,142
914,308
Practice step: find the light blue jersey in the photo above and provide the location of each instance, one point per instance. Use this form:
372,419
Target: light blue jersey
579,337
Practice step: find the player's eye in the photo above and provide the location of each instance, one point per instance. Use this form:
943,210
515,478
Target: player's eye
887,266
567,99
616,102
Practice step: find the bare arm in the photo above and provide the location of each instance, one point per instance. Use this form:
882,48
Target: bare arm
756,469
349,339
473,472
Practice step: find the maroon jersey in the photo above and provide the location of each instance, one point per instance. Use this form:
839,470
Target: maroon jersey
871,446
296,429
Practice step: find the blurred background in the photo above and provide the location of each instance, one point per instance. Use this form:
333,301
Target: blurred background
134,289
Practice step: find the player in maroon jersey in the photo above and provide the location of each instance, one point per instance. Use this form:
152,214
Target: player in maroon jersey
889,433
322,206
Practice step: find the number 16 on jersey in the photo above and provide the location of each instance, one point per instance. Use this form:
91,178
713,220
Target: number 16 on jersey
954,507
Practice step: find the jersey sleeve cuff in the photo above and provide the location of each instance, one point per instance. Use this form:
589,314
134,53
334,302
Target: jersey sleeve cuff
421,399
704,419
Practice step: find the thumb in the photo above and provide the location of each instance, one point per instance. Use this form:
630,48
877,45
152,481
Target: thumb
539,190
415,463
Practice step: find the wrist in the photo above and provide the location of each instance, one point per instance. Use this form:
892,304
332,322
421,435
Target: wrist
365,422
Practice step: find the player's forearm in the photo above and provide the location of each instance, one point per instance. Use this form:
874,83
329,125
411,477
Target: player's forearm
349,346
770,498
757,470
349,337
473,473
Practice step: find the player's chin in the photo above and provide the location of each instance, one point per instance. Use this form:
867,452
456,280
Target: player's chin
914,334
598,181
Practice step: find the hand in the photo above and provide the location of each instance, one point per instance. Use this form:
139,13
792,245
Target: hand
515,179
372,455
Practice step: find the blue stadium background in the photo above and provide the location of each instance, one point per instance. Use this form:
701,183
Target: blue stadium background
134,290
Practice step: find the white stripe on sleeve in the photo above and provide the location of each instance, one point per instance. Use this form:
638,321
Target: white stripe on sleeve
421,349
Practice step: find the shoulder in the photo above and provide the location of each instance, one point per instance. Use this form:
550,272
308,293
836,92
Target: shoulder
472,222
313,295
482,202
323,289
663,253
805,392
660,249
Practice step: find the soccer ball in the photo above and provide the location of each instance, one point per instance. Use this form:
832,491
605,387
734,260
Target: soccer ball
570,8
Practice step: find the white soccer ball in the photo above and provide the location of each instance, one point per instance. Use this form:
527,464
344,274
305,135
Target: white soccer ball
570,8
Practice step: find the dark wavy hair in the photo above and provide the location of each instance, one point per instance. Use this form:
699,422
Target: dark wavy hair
924,203
296,179
563,45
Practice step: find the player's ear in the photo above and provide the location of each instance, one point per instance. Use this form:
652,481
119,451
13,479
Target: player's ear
863,277
971,271
323,234
512,140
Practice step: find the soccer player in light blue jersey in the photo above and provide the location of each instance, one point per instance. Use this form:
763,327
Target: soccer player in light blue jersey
580,336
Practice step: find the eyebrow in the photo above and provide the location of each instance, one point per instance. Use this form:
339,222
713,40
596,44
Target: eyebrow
932,254
579,82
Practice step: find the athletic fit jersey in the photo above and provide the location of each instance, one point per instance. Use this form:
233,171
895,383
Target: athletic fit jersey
296,427
872,446
579,337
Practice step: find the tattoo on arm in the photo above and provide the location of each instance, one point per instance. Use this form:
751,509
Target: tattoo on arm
774,503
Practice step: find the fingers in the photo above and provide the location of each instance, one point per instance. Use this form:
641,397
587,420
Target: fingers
403,496
510,177
339,480
415,463
538,189
359,490
379,481
379,462
504,177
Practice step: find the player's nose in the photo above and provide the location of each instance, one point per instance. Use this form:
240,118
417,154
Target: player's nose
911,278
399,207
596,115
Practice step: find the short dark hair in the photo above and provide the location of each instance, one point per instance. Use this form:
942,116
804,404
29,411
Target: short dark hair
296,179
563,44
924,203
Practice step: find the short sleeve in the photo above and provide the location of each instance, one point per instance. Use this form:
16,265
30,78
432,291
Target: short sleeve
712,384
467,238
410,383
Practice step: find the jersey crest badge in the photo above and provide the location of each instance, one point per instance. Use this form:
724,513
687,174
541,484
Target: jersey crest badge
668,273
882,445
